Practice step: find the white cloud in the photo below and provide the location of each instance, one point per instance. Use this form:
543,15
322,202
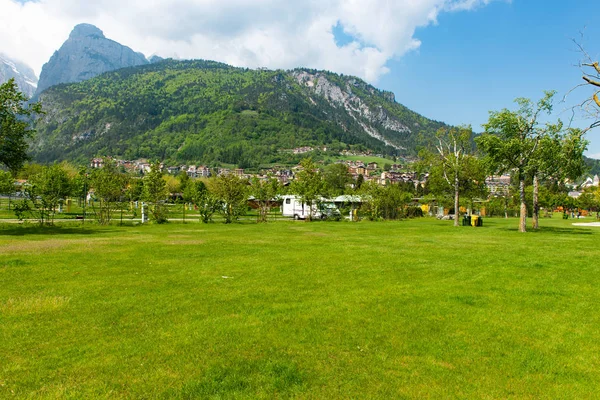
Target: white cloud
249,33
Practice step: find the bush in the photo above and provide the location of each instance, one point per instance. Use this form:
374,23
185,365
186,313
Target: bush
414,212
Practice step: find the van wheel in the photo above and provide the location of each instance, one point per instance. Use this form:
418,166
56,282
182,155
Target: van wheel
296,217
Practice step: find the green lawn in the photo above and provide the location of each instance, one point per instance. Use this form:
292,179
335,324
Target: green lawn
411,309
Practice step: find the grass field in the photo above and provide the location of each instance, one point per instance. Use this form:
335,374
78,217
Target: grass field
411,309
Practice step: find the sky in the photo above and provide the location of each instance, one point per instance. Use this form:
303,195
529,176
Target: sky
450,60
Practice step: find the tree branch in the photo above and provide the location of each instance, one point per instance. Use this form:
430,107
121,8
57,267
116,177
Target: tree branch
591,81
594,64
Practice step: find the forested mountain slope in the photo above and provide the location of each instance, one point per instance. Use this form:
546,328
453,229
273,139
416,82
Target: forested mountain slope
208,112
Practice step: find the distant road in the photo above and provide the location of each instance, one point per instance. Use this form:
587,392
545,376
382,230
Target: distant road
587,224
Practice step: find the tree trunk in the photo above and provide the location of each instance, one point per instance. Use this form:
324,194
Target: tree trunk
536,202
523,211
506,207
456,200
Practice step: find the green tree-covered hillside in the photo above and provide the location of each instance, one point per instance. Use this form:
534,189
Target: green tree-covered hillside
208,112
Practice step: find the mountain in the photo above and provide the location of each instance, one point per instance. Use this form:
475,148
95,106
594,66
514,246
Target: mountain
592,165
86,53
24,76
208,112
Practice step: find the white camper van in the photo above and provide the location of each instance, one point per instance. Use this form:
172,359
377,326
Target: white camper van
295,208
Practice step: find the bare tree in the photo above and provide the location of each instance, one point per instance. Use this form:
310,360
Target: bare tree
454,150
590,71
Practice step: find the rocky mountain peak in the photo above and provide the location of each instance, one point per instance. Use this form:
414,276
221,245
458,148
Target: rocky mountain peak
85,54
23,75
86,30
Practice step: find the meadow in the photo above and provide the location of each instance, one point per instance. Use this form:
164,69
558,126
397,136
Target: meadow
410,309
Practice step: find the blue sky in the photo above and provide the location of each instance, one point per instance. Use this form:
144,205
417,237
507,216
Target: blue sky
477,61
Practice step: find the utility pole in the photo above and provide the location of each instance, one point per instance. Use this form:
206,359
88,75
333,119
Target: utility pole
85,192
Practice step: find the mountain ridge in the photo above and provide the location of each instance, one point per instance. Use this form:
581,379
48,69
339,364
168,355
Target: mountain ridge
210,112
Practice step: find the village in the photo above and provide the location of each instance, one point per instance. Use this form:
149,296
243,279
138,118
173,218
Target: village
370,171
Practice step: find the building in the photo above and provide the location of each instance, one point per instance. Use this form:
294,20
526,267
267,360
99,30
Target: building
97,163
498,185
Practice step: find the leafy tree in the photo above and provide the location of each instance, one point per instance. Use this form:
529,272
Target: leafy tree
14,126
264,193
384,202
360,179
511,140
28,170
232,191
155,193
134,191
43,194
587,201
207,204
109,186
337,178
559,156
80,185
309,185
184,179
7,185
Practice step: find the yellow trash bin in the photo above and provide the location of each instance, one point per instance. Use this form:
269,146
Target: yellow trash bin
474,219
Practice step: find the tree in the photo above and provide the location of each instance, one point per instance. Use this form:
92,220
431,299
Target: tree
14,126
207,204
109,186
453,162
360,179
155,193
232,191
590,70
7,185
44,192
264,193
559,156
337,178
173,183
511,140
309,185
384,202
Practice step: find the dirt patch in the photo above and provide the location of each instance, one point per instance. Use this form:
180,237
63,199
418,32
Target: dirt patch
32,305
185,242
318,234
36,246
